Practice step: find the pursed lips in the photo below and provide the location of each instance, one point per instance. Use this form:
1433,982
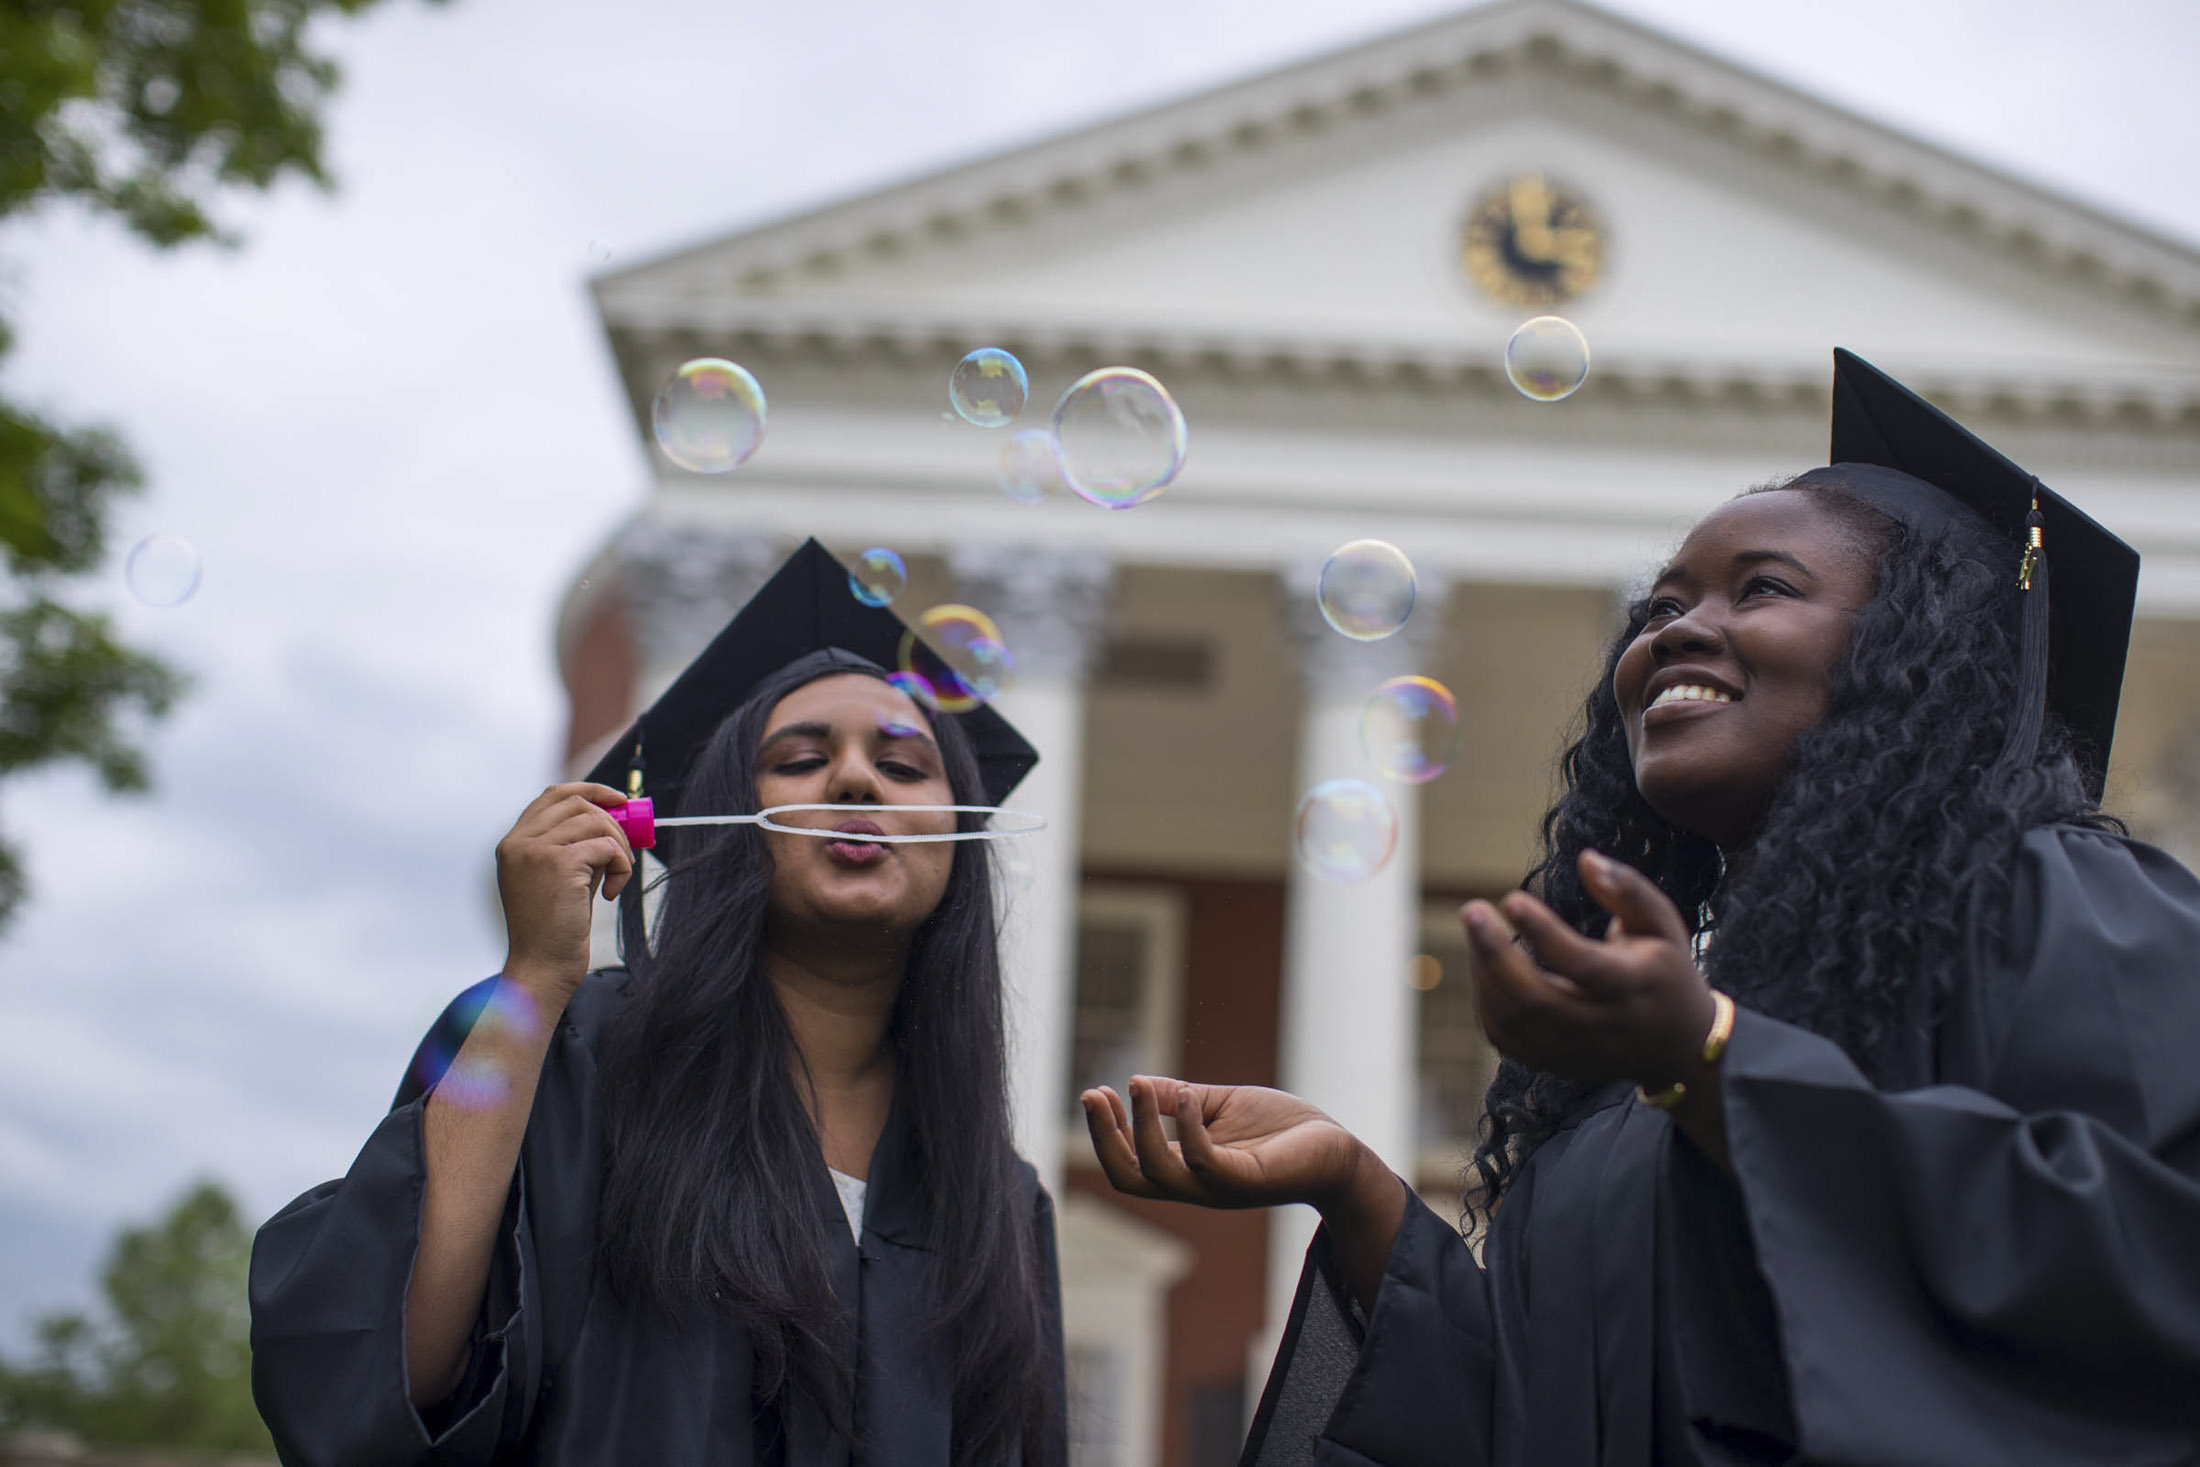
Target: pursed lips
857,852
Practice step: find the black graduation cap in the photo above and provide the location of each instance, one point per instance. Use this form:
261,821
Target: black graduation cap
806,610
2073,646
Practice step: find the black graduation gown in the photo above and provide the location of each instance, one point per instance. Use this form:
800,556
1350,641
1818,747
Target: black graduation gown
562,1370
1998,1265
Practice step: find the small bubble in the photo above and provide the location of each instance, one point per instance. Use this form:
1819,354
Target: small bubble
988,388
599,253
709,416
878,577
162,570
1366,589
917,687
1425,972
1345,830
1547,358
1122,437
1410,729
1031,468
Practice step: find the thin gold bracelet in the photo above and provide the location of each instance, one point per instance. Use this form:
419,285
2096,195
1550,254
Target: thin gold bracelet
1714,1045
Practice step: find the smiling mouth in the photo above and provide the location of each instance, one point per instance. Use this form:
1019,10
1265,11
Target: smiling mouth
1689,693
1683,702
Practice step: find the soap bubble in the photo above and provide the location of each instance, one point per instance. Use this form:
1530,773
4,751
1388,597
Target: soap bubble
472,1080
959,652
1031,471
917,687
1122,437
1345,830
599,253
988,388
878,577
1366,589
1547,358
1410,729
709,416
162,570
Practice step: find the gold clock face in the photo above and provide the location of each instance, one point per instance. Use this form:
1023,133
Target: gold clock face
1529,242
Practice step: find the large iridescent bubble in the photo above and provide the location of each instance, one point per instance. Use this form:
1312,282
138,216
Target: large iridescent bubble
1122,437
1345,830
709,416
958,652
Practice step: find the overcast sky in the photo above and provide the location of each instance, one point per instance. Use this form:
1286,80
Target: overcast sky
391,425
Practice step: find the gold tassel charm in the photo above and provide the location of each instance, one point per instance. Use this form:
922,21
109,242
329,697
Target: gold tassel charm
2033,545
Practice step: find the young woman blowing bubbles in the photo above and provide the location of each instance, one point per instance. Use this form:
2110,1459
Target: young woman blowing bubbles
750,1200
1902,1167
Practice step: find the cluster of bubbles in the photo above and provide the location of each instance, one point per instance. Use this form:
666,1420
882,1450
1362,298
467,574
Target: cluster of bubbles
878,577
162,570
1117,440
1346,829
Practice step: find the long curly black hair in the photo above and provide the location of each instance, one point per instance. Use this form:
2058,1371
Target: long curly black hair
1891,836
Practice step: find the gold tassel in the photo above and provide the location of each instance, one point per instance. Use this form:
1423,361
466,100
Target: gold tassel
2031,550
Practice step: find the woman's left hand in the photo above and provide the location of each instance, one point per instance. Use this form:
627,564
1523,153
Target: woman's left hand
1629,1007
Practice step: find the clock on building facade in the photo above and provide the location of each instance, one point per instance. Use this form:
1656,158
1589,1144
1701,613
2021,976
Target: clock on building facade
1531,242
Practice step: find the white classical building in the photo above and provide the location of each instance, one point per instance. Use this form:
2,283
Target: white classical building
1323,264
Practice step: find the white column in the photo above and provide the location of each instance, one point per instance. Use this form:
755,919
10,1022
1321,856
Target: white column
1050,605
1348,1021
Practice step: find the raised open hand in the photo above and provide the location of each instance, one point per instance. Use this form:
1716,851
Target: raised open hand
1630,1007
1237,1146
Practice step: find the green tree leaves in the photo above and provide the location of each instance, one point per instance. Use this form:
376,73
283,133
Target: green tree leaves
144,111
170,1364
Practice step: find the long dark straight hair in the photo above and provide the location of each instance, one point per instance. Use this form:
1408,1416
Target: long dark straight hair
1891,837
712,1159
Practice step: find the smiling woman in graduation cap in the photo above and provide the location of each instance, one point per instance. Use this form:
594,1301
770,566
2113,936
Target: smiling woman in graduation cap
751,1199
1851,1109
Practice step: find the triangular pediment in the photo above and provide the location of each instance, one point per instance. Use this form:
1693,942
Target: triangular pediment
1319,212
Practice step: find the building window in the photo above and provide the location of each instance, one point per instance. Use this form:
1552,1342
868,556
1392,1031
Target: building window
1130,958
1456,1063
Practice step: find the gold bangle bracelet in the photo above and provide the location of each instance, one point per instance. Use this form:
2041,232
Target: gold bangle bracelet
1714,1045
